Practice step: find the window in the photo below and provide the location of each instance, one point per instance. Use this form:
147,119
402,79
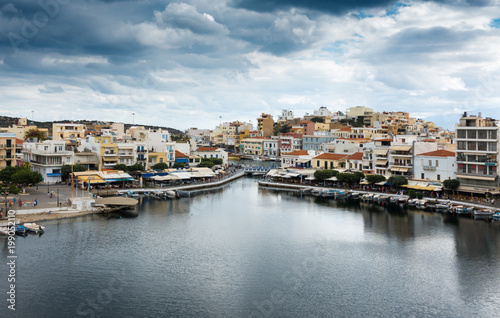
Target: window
471,145
422,176
482,134
439,177
461,133
471,134
462,145
437,164
492,134
430,162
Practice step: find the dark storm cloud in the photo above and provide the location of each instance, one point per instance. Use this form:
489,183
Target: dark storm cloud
332,7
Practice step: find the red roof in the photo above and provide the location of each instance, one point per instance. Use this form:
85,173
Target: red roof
207,149
356,156
19,141
331,156
383,139
438,153
296,153
179,154
429,140
345,129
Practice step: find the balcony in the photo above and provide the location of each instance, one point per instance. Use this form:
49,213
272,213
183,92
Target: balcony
402,164
110,154
141,150
430,168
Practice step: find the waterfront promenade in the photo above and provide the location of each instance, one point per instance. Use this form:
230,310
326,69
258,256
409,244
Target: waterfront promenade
53,201
292,186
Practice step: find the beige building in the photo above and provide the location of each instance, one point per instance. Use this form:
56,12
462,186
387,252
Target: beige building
357,111
21,128
71,133
252,146
265,124
7,150
329,161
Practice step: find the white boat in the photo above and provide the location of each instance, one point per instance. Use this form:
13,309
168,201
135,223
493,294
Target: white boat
257,158
483,212
421,204
367,197
34,228
496,216
442,207
171,194
272,158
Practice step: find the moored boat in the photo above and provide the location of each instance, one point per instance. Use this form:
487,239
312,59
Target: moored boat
21,230
496,216
34,228
483,212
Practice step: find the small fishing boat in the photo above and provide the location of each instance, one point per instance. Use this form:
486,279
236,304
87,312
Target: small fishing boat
21,230
171,194
412,202
483,212
316,192
132,194
496,216
34,228
367,197
442,207
421,204
354,195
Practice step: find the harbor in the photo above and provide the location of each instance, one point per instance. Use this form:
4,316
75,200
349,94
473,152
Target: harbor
223,253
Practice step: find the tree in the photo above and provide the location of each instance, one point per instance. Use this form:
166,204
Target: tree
135,167
67,169
161,166
349,178
374,178
359,175
318,120
397,181
121,167
7,173
179,165
26,177
323,174
33,133
285,128
210,162
451,185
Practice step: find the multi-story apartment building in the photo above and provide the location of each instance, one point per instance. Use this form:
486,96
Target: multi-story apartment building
316,141
401,155
7,150
285,116
253,146
477,152
381,156
289,142
48,157
72,134
265,124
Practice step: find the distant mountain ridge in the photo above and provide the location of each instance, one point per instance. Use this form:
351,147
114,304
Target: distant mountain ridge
6,121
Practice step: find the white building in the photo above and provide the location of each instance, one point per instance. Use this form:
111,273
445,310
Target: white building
285,115
477,154
435,165
212,152
47,157
271,147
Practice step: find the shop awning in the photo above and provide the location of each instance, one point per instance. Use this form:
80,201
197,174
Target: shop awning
303,160
401,148
476,177
474,190
382,162
182,175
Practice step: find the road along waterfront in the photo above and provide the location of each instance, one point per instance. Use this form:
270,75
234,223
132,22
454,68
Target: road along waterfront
241,251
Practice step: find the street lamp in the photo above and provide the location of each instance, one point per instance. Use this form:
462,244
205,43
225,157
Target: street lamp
32,115
57,197
133,118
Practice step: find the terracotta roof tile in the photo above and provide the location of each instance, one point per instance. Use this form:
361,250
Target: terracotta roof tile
438,153
331,156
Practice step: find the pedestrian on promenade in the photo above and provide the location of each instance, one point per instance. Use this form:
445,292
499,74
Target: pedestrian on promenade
36,202
20,203
14,200
492,201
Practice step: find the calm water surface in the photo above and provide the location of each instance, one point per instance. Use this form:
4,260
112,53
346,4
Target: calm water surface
247,252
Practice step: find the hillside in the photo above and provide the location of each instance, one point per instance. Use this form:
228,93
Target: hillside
6,121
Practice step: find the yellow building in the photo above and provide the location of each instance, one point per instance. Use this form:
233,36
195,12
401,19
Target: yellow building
71,133
108,152
329,161
156,157
7,150
21,128
252,146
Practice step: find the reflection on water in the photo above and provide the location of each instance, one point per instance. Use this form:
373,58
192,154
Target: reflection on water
240,251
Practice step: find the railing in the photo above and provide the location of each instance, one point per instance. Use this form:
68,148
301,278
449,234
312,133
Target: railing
432,168
141,150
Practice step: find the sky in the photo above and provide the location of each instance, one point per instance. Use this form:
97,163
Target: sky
195,63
